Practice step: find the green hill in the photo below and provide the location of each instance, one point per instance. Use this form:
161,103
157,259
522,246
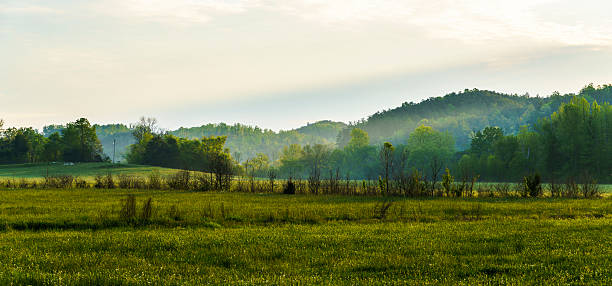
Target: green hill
465,112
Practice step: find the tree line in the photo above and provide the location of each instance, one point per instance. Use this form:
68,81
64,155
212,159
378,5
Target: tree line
76,142
574,143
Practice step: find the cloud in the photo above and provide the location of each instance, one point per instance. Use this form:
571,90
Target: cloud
175,12
479,21
346,12
470,21
27,9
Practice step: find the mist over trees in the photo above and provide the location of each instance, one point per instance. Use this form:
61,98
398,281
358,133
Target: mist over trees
461,114
568,142
249,141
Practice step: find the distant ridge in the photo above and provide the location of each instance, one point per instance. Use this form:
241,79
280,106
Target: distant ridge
460,114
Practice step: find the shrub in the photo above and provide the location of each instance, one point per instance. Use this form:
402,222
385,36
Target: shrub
130,182
105,182
415,186
447,182
154,180
289,188
147,210
503,189
381,209
109,182
484,192
128,210
532,186
80,183
60,182
570,188
180,180
589,187
203,183
555,189
124,181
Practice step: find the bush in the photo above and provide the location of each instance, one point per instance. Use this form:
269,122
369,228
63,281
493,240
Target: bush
503,189
128,210
130,182
202,183
570,188
180,180
555,189
415,186
381,209
484,192
447,182
60,182
532,186
147,210
80,183
154,181
289,188
105,182
589,187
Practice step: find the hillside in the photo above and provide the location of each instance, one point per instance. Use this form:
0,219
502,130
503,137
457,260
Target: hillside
460,114
465,112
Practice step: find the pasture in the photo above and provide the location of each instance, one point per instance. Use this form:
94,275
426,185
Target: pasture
86,171
82,236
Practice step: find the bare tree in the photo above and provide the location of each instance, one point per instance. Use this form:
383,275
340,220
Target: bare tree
435,166
146,125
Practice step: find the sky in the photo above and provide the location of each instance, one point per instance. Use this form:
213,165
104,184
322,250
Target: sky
282,64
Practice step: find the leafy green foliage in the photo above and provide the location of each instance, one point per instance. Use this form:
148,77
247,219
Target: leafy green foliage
249,141
460,114
78,142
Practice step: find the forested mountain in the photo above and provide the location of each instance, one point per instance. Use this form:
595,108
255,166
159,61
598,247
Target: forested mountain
463,113
460,114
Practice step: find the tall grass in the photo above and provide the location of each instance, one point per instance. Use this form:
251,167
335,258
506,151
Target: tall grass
413,185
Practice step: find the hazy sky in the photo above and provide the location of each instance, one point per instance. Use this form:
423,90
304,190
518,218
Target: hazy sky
280,64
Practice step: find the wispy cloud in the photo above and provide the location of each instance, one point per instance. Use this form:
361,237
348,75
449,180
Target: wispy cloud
27,9
465,20
175,12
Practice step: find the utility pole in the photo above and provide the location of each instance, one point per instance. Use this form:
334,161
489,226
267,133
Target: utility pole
114,142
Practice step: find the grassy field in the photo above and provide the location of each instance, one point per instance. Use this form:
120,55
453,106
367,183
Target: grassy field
83,170
79,237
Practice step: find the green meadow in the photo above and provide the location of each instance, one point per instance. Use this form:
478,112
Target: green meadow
84,237
83,170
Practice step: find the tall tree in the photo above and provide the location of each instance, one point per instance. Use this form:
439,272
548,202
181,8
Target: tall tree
81,142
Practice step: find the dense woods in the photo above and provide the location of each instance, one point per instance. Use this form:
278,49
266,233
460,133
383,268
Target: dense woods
463,113
76,142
